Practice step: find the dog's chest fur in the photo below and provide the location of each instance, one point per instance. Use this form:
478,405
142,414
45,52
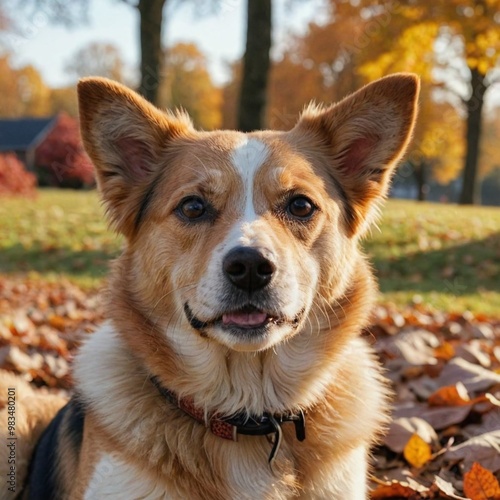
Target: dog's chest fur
161,453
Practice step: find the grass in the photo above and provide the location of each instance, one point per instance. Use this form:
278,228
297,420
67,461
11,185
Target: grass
60,233
445,255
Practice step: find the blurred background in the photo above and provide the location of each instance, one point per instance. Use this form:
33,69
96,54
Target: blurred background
230,70
252,65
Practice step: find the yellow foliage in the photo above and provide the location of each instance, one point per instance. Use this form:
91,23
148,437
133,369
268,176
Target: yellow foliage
490,146
22,91
417,452
187,84
34,94
413,50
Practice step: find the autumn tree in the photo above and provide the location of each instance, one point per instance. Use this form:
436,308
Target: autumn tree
188,85
256,63
97,59
61,159
151,25
34,94
14,179
293,83
150,33
65,12
230,95
490,145
22,91
9,105
151,20
437,147
64,99
325,49
469,33
466,50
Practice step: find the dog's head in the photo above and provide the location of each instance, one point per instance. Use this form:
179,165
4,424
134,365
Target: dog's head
244,239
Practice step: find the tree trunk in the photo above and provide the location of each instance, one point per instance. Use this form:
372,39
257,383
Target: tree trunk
151,20
470,188
256,64
420,173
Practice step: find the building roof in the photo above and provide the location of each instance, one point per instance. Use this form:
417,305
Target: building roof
21,134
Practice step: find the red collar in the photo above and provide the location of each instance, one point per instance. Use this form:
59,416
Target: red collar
240,423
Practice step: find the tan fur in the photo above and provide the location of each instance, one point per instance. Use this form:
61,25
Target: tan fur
33,412
136,443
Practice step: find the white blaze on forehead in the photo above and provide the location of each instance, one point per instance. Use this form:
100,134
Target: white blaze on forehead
247,157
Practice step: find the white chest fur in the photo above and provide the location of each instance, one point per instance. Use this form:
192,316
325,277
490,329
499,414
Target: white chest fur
112,479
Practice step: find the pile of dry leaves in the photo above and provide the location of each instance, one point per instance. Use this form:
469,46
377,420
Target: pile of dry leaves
444,441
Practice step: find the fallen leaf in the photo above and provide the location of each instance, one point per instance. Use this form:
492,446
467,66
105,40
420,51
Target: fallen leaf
12,357
451,395
484,449
57,322
394,490
417,452
440,417
423,387
490,422
474,377
415,346
481,484
402,429
447,488
483,331
445,351
474,353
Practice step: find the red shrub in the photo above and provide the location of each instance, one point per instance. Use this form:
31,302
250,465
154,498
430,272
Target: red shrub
14,179
61,159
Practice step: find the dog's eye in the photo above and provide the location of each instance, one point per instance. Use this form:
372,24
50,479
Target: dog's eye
301,207
192,208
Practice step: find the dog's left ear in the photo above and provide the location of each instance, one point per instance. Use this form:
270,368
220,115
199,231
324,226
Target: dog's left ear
364,137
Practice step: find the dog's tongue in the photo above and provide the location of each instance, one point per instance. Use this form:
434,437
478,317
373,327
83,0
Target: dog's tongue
244,319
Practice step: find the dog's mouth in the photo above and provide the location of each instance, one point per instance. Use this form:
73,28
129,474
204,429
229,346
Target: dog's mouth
247,318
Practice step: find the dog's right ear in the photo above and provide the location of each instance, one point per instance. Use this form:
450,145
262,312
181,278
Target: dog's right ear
125,136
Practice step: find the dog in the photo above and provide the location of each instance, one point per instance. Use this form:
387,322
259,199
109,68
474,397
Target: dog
231,365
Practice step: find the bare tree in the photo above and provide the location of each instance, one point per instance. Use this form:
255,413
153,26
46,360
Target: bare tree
256,63
97,59
151,22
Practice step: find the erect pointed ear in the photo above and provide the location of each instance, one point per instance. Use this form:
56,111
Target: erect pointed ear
125,137
364,136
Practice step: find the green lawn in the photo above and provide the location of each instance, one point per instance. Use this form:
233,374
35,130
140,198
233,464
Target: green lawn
446,256
61,232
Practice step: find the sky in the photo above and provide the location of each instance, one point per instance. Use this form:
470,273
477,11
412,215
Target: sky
220,36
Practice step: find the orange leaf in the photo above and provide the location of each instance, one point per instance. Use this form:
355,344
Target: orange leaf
393,490
481,484
450,395
417,452
57,322
445,351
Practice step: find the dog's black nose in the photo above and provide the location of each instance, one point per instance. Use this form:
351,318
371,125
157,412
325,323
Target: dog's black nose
248,269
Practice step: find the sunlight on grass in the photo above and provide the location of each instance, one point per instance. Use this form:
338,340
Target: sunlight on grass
59,233
445,255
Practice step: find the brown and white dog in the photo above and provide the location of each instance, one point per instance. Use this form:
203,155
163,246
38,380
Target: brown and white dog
235,308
